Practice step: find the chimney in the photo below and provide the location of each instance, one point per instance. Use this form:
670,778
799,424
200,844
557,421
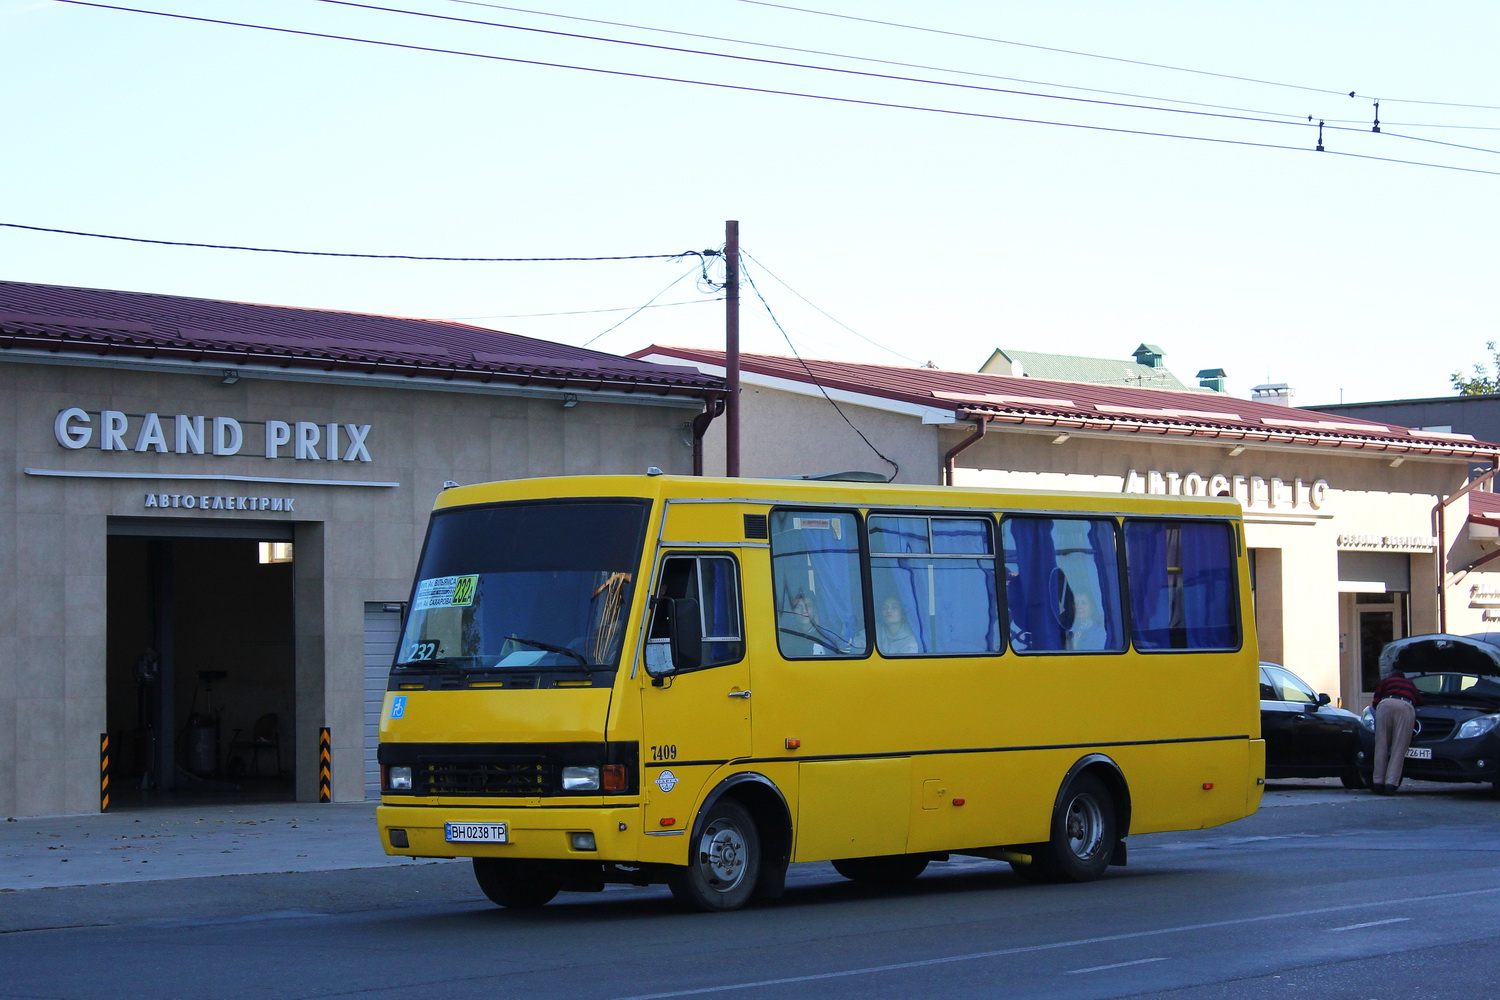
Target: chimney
1213,379
1149,355
1276,392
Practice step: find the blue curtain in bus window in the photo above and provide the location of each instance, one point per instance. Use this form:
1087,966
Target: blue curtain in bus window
1031,587
1208,604
720,610
1106,544
1150,596
965,616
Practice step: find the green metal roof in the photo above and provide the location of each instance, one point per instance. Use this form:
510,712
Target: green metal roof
1072,368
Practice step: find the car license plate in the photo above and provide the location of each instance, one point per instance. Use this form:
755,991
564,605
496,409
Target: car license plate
477,833
1419,753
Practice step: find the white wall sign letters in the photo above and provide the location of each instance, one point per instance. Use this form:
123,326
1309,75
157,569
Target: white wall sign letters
1253,492
181,434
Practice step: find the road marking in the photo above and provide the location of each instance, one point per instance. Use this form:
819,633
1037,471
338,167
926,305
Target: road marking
1056,945
1117,965
1372,923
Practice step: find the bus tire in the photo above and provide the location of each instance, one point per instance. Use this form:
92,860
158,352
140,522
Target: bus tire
724,860
516,884
892,869
1084,831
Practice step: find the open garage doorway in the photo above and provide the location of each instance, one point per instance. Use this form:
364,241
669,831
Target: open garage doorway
201,677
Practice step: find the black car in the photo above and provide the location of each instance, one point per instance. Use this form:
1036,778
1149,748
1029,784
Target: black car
1305,736
1457,735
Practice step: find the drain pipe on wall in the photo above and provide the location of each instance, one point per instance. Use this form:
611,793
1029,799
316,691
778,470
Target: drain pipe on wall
981,424
712,407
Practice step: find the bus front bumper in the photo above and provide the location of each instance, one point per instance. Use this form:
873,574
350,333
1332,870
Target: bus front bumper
568,833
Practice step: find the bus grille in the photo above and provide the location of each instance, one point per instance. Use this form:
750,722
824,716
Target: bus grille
516,777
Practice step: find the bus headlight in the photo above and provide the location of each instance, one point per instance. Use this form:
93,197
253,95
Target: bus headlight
580,779
1476,727
398,778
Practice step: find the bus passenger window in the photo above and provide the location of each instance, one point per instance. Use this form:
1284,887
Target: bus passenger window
1182,585
1062,584
713,581
819,590
934,581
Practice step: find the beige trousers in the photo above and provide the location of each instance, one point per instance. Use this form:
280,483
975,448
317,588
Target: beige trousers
1394,719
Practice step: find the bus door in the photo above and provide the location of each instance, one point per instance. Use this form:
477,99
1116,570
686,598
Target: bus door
698,719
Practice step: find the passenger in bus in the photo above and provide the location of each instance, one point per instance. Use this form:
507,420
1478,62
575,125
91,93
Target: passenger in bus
798,628
1088,630
894,636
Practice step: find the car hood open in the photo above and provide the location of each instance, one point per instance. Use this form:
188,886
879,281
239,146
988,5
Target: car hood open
1441,652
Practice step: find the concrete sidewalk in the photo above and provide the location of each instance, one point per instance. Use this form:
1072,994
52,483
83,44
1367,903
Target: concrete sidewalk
189,841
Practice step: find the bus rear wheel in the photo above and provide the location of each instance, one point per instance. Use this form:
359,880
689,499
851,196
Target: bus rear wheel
516,884
891,869
1084,833
724,862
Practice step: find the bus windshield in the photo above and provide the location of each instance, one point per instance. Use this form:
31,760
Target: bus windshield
525,586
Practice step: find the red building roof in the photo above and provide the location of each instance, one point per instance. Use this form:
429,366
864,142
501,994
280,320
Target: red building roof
92,322
1083,406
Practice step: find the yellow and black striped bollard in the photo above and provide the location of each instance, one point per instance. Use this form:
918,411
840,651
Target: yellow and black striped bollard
104,772
325,766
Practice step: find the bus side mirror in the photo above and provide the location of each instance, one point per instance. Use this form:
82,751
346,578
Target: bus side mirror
677,620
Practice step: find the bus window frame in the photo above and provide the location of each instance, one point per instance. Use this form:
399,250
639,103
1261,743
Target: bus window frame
861,534
1238,555
991,520
1122,579
666,555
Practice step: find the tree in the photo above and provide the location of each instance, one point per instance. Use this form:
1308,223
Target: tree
1481,384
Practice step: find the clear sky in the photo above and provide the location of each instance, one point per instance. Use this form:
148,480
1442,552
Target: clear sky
1049,220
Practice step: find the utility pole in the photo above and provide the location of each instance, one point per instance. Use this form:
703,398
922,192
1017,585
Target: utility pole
732,349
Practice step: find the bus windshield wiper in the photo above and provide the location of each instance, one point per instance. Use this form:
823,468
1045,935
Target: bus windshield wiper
563,650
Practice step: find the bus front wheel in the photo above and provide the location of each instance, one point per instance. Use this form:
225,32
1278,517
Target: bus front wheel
724,862
1084,831
516,884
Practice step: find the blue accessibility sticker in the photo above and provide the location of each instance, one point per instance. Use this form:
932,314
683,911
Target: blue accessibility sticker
398,706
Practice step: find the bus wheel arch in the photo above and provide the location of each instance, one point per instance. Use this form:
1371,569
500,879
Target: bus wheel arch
1090,819
767,808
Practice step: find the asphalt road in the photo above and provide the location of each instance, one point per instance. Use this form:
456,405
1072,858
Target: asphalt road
1333,894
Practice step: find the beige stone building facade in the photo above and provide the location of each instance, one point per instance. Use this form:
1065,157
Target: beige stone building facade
1360,531
210,512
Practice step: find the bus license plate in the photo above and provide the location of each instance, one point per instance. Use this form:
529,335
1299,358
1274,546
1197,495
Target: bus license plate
477,833
1419,753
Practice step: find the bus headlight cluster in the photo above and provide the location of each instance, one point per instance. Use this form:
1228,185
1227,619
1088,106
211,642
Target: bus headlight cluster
580,779
398,779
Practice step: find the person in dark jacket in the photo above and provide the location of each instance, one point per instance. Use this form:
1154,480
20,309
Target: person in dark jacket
1395,703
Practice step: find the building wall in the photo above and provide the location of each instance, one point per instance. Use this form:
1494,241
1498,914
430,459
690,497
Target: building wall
353,544
789,434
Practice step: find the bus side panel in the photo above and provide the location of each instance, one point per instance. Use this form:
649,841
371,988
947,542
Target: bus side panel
851,808
1189,786
983,799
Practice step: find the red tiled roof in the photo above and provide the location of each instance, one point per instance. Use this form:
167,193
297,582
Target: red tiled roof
97,322
1084,406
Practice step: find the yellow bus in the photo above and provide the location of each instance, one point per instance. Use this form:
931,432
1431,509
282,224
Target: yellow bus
692,681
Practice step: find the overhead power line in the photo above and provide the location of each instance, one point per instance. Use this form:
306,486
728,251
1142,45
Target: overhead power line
777,92
363,256
1118,59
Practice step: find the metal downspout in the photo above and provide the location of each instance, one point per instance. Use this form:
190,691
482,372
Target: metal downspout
981,424
712,407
